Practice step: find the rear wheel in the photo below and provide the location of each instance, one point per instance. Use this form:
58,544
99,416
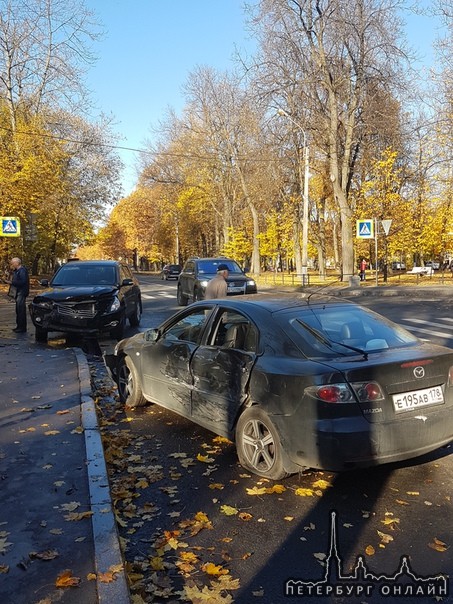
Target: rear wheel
129,388
258,445
41,334
182,299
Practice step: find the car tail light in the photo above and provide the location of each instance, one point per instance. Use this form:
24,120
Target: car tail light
332,393
341,393
368,391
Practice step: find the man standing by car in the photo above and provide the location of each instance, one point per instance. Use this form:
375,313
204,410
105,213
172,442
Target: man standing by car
217,287
21,282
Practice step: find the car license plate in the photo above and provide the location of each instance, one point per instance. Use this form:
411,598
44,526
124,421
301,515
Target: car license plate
235,290
408,401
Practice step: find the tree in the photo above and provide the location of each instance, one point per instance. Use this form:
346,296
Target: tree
321,62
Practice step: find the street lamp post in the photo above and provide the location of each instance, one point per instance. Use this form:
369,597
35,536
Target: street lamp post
304,258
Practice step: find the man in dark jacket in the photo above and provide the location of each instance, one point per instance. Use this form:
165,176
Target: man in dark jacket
21,282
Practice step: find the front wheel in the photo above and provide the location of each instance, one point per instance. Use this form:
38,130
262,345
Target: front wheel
118,332
136,316
41,334
182,299
258,445
129,388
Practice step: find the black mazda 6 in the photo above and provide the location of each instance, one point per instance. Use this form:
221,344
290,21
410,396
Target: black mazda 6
295,381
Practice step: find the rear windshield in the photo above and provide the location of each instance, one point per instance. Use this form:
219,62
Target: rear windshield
329,331
92,274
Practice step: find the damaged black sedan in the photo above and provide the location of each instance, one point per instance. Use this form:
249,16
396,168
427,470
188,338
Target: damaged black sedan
298,381
87,298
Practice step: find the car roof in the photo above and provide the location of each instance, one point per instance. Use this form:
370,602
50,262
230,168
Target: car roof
92,262
280,301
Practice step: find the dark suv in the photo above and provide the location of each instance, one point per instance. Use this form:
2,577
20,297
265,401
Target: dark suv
87,298
196,273
170,271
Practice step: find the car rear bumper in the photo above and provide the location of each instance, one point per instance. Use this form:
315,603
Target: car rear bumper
350,443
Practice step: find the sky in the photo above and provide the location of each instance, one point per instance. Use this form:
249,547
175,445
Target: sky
150,47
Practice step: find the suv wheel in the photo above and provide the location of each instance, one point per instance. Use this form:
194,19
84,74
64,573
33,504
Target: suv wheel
197,295
182,299
41,334
118,332
134,319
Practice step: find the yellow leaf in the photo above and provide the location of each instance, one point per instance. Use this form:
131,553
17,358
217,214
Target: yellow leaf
256,491
288,518
212,569
413,492
245,516
107,577
438,545
302,492
67,579
91,576
205,458
216,485
390,522
369,550
228,510
220,439
384,537
321,484
157,563
277,488
52,432
402,502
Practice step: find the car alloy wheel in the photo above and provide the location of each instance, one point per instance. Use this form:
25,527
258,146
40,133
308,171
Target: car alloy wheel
136,316
129,388
258,444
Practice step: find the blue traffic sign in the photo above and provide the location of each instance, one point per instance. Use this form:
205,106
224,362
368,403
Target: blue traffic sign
10,226
365,229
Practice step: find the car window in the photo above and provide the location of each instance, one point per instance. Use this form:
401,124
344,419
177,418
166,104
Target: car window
209,267
188,328
70,274
327,331
235,330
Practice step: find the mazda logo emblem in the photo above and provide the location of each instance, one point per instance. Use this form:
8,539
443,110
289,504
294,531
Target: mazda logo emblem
419,372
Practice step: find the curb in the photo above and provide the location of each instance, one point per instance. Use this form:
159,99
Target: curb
107,550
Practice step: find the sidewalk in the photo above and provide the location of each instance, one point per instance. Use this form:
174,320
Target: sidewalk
58,537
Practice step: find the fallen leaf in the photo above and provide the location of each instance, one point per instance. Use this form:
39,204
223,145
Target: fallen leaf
390,522
4,568
4,544
438,545
205,458
67,579
369,550
288,518
213,569
256,491
303,492
413,492
48,554
321,484
107,577
71,506
78,516
228,510
245,516
51,432
384,537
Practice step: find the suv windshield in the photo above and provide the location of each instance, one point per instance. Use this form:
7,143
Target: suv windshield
85,275
209,267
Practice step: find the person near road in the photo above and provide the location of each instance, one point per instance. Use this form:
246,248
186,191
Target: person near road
21,282
362,269
217,287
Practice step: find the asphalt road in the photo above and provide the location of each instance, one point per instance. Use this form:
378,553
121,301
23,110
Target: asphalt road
183,501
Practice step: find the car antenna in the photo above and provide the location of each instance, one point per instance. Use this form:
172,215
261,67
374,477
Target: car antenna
322,288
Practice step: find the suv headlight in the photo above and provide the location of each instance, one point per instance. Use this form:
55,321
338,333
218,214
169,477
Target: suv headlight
115,305
251,282
204,282
43,304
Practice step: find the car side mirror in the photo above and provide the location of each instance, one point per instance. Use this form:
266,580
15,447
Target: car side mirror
44,282
151,335
127,282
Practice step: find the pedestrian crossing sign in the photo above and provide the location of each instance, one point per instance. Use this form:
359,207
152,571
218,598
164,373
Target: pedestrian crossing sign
365,229
10,226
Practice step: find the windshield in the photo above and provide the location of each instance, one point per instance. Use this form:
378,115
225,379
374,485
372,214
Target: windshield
332,330
90,275
209,267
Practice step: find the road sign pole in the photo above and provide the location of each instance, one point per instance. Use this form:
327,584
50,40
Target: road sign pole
375,250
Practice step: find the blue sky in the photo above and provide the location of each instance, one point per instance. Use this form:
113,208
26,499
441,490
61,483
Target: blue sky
150,47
